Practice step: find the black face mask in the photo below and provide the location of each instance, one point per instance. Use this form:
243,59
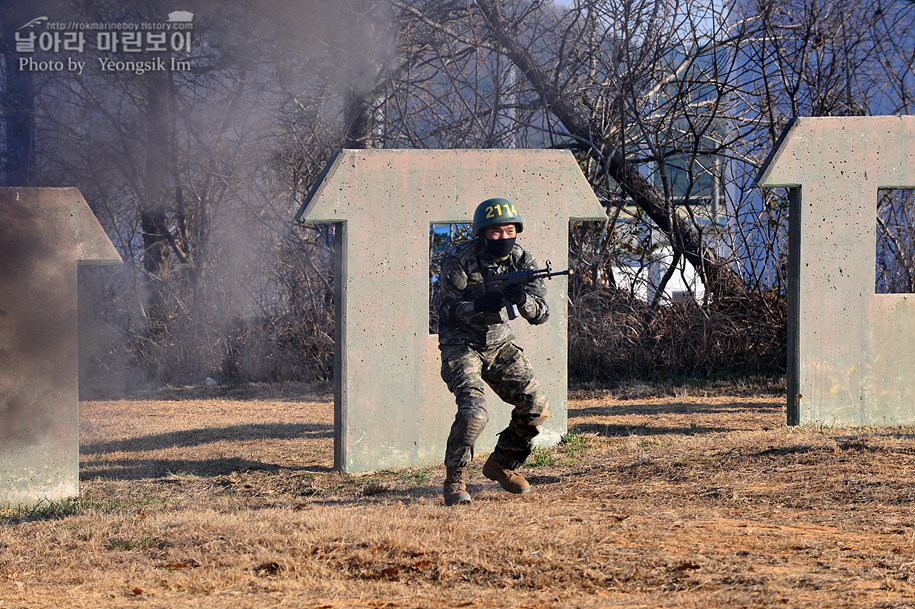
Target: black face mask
500,248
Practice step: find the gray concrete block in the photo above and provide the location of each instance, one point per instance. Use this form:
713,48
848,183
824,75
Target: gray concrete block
392,408
851,358
44,234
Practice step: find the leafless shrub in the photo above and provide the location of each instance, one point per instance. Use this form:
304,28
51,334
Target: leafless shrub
614,337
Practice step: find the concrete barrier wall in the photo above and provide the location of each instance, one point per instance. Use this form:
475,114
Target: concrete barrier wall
851,357
44,234
392,408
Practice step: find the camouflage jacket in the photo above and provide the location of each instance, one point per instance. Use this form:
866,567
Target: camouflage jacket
461,281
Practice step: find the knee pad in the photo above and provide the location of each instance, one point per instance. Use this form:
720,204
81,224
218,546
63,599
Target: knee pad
473,420
539,414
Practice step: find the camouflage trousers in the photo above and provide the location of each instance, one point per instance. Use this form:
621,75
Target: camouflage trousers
508,372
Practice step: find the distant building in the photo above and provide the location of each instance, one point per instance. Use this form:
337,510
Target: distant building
692,173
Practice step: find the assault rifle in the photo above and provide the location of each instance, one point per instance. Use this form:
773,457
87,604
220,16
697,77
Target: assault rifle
499,283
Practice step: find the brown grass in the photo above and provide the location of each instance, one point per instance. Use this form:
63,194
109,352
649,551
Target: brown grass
206,500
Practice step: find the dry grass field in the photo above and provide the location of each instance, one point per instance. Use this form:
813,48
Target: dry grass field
701,499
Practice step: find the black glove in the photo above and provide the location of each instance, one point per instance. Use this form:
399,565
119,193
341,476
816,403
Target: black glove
515,295
490,302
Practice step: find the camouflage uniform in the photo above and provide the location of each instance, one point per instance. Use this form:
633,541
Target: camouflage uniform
478,347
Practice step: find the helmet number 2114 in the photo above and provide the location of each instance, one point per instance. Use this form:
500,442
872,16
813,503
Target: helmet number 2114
493,210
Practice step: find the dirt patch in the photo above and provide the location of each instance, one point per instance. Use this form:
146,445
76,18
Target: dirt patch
193,500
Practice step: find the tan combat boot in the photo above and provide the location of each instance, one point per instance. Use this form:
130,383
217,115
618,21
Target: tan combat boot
454,488
508,479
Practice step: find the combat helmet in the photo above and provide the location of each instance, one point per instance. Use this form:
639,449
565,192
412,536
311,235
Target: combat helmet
496,211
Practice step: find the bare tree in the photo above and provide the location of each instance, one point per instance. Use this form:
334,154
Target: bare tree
663,103
18,99
807,58
576,77
180,167
670,108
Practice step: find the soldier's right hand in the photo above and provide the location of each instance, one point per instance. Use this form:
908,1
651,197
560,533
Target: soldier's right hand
490,302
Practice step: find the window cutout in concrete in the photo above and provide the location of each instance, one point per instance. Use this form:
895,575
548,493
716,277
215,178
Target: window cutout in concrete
441,237
895,256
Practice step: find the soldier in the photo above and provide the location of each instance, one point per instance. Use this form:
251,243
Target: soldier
477,345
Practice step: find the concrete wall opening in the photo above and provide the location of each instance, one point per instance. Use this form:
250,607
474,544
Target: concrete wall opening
441,237
895,253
